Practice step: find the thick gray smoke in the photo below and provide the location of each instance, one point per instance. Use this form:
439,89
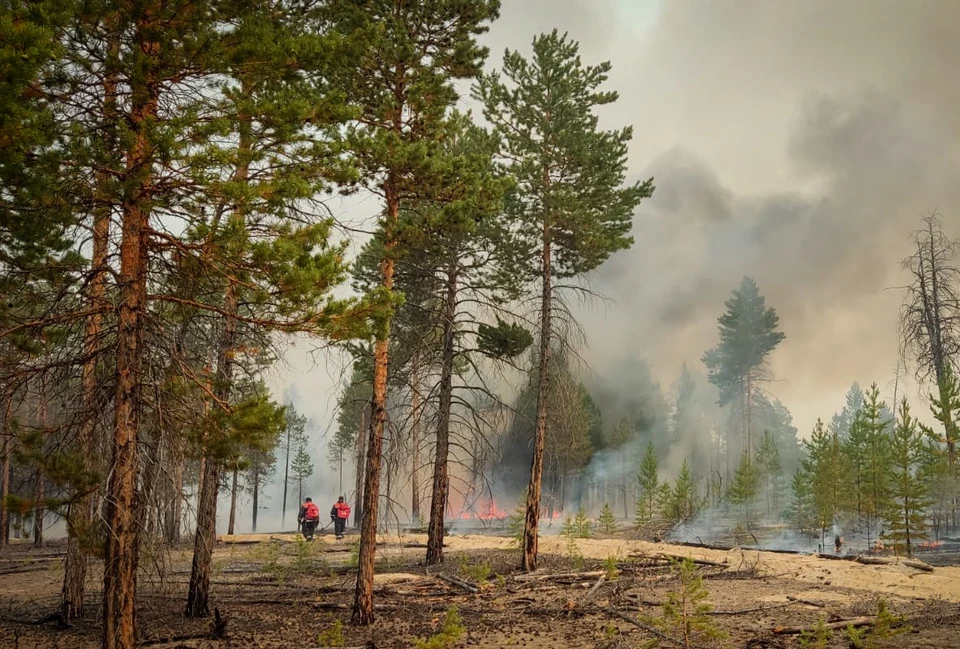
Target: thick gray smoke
807,140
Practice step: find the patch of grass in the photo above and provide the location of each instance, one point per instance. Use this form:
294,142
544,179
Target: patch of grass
354,561
451,631
478,572
332,636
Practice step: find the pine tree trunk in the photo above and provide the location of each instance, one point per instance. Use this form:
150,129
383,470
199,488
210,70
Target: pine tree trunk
360,460
233,505
441,478
5,481
286,483
363,596
198,597
532,520
122,546
38,511
415,449
256,498
175,497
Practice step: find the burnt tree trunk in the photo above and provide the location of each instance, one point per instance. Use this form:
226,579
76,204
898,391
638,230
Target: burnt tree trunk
233,505
121,552
363,595
532,519
441,478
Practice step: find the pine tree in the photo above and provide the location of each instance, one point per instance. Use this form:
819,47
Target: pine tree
607,523
301,469
682,503
648,481
908,492
876,459
748,334
940,468
802,505
404,85
829,477
843,420
770,467
570,210
743,491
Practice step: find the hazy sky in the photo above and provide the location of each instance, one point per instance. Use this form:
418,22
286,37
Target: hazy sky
798,142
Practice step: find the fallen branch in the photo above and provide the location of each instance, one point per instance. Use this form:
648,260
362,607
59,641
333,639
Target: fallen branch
808,602
470,588
646,627
874,561
699,562
839,624
593,590
755,609
560,575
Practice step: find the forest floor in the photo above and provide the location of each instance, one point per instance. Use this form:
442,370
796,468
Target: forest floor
276,592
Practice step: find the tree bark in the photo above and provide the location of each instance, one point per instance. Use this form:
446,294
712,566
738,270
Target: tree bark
363,596
198,597
286,483
122,545
360,460
38,511
5,472
233,505
532,520
441,478
415,407
256,498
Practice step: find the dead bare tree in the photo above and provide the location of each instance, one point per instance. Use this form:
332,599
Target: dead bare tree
930,314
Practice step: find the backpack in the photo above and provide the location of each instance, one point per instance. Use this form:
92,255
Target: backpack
343,510
312,513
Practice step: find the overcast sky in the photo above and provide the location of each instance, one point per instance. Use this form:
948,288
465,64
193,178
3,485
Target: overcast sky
797,142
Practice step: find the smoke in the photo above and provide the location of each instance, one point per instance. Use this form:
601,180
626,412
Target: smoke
852,114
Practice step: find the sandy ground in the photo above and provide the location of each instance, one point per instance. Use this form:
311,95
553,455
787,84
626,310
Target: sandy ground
272,601
890,580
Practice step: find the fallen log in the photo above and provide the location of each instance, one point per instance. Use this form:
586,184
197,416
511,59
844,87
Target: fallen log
699,562
839,624
874,561
560,575
918,565
470,588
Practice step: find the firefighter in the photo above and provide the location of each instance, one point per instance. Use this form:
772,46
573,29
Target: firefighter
339,514
309,518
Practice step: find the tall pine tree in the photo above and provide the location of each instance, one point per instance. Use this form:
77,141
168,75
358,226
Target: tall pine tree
571,209
748,334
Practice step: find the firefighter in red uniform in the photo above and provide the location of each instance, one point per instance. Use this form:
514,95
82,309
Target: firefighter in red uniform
340,513
309,518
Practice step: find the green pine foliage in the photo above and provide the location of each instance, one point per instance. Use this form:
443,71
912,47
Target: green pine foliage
748,334
743,491
607,523
685,611
828,475
770,467
681,503
908,490
648,481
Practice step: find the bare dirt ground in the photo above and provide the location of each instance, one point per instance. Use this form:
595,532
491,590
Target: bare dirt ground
276,592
